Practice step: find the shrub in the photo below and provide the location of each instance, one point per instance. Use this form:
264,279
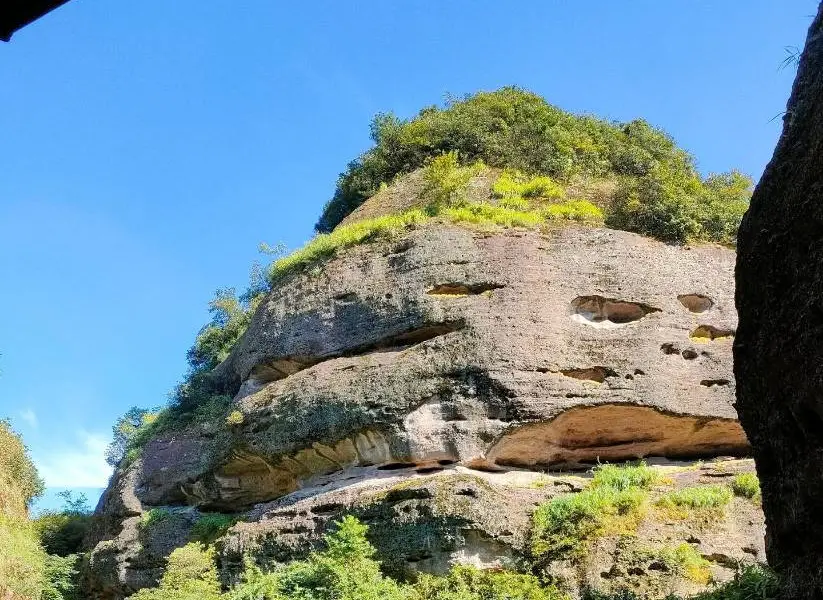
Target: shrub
324,245
230,319
488,215
190,575
749,583
613,503
346,570
708,501
61,532
19,481
153,517
470,583
22,560
687,562
211,526
514,184
235,418
624,477
573,210
675,205
505,128
445,181
746,485
61,578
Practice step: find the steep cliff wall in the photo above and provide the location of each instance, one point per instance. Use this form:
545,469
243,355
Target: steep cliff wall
446,352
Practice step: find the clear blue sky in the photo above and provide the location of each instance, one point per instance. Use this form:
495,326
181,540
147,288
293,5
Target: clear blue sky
148,146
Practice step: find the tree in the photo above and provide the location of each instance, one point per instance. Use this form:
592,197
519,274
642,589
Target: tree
778,352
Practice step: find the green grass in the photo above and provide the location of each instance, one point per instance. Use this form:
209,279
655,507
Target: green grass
481,215
22,560
708,502
686,561
153,517
614,503
514,184
749,583
326,244
747,485
211,526
626,476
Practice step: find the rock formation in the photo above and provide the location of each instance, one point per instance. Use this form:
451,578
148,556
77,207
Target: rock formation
777,352
426,381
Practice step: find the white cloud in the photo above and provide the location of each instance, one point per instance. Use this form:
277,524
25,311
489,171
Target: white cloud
29,417
84,466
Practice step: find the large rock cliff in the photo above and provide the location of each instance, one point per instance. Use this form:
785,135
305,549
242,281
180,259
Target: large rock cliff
426,382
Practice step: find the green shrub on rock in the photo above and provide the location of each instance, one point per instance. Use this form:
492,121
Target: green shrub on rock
746,485
190,574
661,193
470,583
613,503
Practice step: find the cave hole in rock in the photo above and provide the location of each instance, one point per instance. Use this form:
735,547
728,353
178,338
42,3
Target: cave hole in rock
608,312
463,289
598,374
396,466
274,370
689,354
710,332
615,432
696,303
714,382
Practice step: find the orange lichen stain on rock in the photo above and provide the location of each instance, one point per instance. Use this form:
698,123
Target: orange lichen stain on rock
708,333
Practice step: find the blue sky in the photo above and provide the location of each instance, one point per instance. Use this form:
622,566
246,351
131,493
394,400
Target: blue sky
149,146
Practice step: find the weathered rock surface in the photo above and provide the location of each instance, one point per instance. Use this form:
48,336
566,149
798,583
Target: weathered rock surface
778,355
453,348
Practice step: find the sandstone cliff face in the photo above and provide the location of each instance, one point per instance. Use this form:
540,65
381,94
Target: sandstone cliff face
457,350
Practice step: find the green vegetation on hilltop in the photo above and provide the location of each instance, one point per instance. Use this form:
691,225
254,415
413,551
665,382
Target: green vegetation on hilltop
525,202
660,192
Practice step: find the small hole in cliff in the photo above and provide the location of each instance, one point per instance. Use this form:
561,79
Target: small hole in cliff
608,312
431,469
396,466
710,332
463,289
714,382
389,296
669,349
688,354
445,461
597,374
639,372
696,303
